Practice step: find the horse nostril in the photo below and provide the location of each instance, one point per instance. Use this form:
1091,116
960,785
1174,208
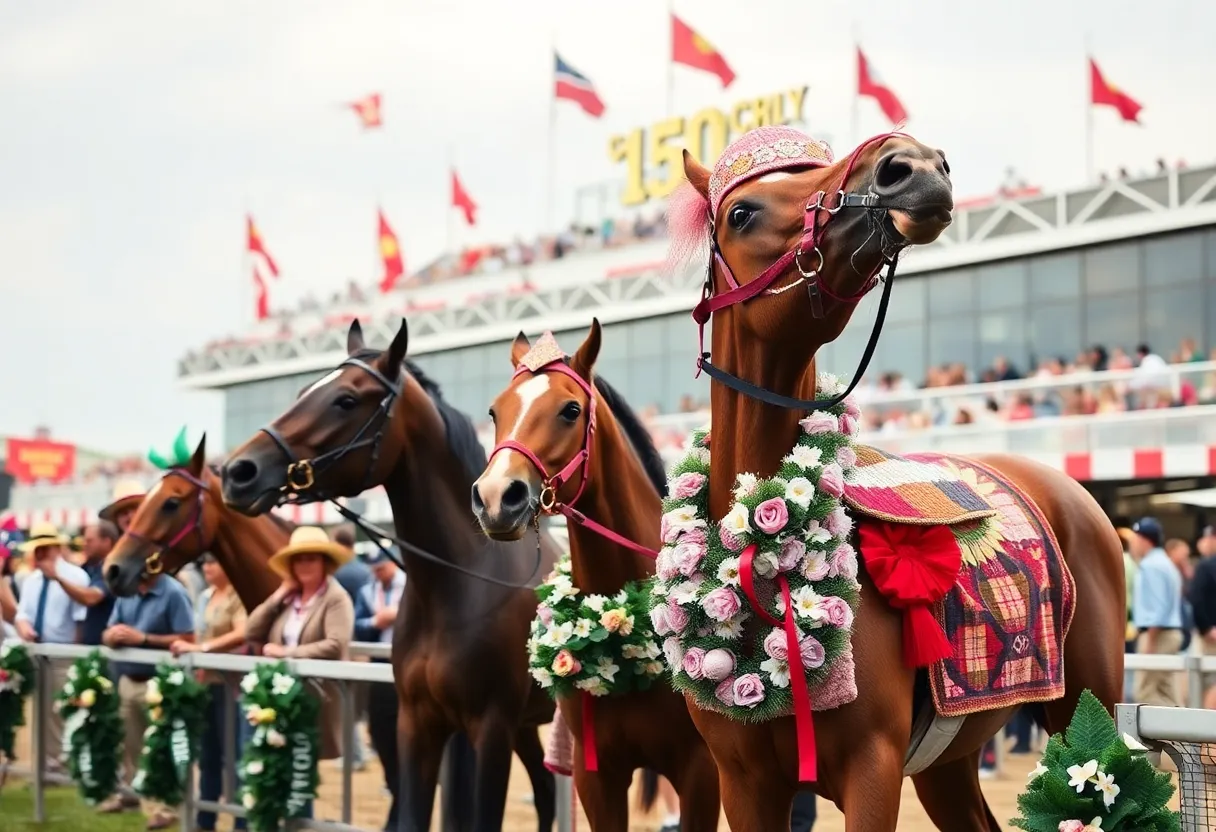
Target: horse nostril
891,172
242,471
113,573
478,504
516,495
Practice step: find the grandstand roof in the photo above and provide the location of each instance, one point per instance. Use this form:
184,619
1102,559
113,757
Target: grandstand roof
626,283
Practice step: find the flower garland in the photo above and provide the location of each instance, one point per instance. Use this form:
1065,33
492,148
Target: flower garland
591,643
279,766
1091,780
16,684
177,717
92,729
799,527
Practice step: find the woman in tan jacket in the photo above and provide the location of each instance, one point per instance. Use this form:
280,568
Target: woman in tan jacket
309,617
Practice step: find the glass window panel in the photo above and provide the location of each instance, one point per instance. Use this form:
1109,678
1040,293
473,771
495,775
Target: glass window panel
952,340
907,301
1209,245
1113,322
1054,332
1055,276
1171,315
951,291
1110,269
901,349
614,343
1002,335
1002,285
1177,258
648,337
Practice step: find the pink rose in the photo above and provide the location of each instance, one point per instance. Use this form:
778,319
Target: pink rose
673,652
687,555
544,614
726,691
718,664
838,523
846,457
676,617
852,408
664,565
697,536
831,480
732,543
748,690
694,662
772,515
1071,826
722,604
811,652
666,533
564,664
792,552
844,562
660,620
819,422
837,611
848,424
774,645
687,485
816,566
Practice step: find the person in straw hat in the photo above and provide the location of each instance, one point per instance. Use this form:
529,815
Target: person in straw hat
309,617
127,496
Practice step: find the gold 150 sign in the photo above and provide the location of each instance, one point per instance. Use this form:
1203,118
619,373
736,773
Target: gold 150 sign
705,134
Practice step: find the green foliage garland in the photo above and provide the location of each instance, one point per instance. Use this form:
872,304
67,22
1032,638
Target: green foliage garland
279,767
591,643
92,729
177,717
1092,780
16,684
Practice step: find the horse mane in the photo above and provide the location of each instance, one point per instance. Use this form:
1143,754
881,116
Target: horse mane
688,227
457,427
637,434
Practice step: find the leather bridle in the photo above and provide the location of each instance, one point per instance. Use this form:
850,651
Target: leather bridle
193,525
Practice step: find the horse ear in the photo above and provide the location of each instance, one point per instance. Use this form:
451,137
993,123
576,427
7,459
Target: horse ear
397,350
697,174
584,357
200,457
354,337
519,348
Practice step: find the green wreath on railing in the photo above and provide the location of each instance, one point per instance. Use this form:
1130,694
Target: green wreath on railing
92,728
279,766
177,717
16,684
1092,780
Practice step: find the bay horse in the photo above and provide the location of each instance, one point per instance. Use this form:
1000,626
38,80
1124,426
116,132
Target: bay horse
458,643
546,418
800,246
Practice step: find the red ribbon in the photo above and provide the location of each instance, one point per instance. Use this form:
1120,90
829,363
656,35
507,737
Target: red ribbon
804,723
913,567
591,757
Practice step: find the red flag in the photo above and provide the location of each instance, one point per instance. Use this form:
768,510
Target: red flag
690,49
1105,93
390,253
869,84
261,296
368,110
254,245
462,200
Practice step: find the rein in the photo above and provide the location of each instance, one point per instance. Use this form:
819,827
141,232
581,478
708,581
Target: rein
152,563
549,502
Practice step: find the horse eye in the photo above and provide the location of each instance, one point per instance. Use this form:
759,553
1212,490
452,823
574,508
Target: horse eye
170,505
739,216
571,411
346,401
493,415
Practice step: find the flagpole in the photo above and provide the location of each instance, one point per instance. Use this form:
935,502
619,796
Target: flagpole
671,64
855,113
451,246
551,161
1089,116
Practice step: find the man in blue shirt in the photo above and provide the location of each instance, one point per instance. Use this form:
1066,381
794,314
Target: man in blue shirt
99,539
155,617
1156,611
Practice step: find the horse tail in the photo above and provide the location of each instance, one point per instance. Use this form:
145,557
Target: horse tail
650,789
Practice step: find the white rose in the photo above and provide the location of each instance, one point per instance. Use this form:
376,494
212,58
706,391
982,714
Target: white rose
275,739
247,801
736,520
249,682
255,767
744,484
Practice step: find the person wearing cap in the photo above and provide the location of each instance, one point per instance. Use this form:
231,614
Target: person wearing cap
46,613
1203,605
309,616
375,613
1156,611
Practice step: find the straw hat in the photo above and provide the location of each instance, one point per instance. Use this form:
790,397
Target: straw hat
309,539
43,534
127,494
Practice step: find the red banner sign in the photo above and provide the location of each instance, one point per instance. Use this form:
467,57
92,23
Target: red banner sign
37,460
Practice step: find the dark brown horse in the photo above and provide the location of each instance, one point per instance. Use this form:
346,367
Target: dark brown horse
619,488
899,194
458,643
183,516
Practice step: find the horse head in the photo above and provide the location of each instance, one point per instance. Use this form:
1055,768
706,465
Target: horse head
337,440
543,423
172,526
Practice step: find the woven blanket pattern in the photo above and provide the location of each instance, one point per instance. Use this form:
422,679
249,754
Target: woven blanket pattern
915,489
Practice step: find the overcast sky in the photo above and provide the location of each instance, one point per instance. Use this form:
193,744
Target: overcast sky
134,137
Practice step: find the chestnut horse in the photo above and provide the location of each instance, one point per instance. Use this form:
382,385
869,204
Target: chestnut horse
859,212
458,643
617,487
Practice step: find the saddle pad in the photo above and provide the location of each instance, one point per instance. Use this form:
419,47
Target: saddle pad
917,489
1009,611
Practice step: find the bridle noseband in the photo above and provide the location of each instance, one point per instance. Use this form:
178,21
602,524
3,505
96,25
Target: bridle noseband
152,563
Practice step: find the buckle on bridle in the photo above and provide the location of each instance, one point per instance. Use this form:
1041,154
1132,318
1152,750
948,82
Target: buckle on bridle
548,498
153,566
300,476
798,262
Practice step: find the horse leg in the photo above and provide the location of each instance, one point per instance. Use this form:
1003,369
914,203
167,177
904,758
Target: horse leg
544,789
697,786
421,750
604,795
457,784
494,743
752,802
951,796
871,785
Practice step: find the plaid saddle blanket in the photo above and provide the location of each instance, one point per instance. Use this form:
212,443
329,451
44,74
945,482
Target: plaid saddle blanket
1010,608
